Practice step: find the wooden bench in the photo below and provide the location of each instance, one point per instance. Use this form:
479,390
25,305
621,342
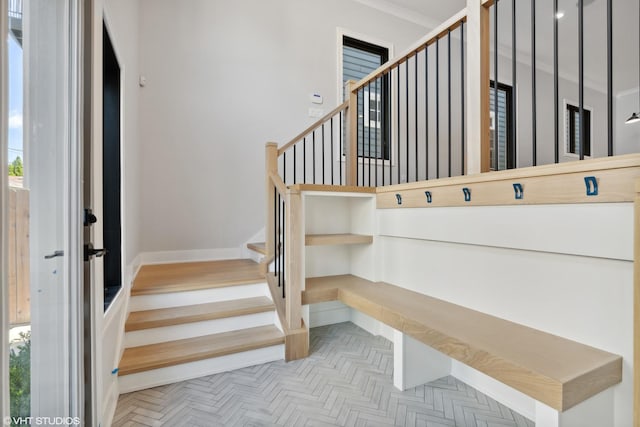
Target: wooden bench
558,373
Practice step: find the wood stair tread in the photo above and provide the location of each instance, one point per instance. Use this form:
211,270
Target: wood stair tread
259,247
155,356
139,320
190,276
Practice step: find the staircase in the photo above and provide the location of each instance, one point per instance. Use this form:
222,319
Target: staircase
193,319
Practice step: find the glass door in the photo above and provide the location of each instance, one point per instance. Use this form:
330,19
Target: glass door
44,255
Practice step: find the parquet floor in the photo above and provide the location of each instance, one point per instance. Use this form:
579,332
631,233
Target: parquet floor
347,381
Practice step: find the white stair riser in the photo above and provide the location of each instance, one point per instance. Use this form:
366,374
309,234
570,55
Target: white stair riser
187,371
196,329
179,299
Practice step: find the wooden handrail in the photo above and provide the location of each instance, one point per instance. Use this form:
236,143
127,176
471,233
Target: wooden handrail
441,30
314,126
278,183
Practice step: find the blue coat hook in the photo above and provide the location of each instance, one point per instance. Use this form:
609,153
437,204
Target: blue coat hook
467,194
428,194
517,188
399,198
592,185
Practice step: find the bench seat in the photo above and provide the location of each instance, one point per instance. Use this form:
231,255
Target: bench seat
553,370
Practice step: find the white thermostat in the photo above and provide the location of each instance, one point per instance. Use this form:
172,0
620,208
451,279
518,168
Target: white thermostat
316,98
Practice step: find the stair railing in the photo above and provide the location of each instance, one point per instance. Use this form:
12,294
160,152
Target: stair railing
284,245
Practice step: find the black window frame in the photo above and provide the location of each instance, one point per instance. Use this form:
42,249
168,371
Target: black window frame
571,145
385,92
508,90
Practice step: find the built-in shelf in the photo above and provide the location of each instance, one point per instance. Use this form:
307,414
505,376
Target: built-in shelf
337,239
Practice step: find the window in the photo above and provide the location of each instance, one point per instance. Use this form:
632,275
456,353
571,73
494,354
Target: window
359,58
572,130
503,126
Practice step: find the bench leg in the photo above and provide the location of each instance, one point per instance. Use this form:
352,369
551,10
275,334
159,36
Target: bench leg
415,363
596,411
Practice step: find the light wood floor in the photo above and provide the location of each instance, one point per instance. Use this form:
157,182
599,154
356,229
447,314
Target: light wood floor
188,276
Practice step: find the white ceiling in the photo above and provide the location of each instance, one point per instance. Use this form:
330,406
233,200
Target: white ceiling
430,13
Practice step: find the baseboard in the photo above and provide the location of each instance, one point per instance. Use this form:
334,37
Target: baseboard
328,313
511,398
166,257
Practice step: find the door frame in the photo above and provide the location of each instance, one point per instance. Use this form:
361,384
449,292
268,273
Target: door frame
4,292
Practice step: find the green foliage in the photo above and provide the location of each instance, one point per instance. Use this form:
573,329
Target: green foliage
20,378
16,167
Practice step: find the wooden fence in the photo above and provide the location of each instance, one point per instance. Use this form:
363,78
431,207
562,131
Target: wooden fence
19,289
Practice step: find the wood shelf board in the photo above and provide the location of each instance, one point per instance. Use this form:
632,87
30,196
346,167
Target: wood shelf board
556,371
139,320
334,188
338,239
189,276
155,356
259,247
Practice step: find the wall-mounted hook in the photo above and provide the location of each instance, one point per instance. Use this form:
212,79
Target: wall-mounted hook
399,198
517,188
592,185
428,195
467,194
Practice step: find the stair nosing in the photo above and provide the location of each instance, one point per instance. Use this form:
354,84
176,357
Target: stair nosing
260,307
173,360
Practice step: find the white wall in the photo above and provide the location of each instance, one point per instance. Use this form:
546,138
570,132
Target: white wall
223,78
627,136
528,264
122,21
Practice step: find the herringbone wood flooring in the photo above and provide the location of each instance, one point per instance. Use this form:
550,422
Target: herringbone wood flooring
347,381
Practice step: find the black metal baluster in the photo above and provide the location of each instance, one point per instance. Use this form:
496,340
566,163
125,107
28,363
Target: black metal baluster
323,167
277,259
514,53
462,100
304,160
534,113
437,108
398,108
313,146
367,113
496,121
609,78
415,62
284,249
556,96
361,156
426,112
449,97
406,115
284,167
340,154
275,229
332,160
581,74
368,107
295,160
